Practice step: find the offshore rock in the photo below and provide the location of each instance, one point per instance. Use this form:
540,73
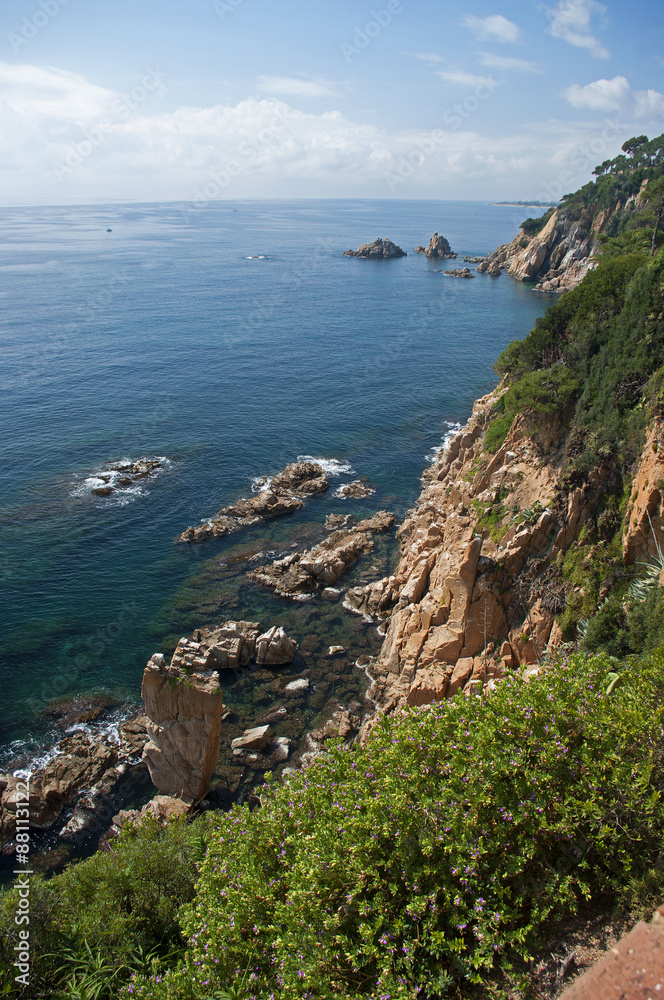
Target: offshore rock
379,249
437,247
184,708
300,479
280,497
459,272
121,474
229,646
263,507
356,490
305,572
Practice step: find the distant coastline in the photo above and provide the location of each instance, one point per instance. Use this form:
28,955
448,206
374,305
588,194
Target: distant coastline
526,204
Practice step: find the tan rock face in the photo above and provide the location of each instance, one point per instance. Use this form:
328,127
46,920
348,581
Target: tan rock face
644,522
557,258
184,713
456,614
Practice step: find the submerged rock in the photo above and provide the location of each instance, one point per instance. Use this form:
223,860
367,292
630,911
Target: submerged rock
379,249
438,247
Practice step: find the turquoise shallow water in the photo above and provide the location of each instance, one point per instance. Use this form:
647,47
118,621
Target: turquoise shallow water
164,338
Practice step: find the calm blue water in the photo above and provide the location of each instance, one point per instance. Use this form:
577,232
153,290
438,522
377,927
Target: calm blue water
163,338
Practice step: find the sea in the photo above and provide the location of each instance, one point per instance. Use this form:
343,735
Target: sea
227,340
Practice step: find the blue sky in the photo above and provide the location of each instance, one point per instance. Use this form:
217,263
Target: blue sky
151,100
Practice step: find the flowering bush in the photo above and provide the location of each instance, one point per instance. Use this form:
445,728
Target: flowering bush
438,851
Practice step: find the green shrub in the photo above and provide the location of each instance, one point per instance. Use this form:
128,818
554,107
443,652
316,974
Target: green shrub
438,852
109,911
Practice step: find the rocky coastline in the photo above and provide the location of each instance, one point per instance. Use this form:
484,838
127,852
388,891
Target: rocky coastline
186,749
474,596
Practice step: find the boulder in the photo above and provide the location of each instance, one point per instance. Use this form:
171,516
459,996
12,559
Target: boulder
232,645
438,247
184,713
300,479
379,249
274,647
252,739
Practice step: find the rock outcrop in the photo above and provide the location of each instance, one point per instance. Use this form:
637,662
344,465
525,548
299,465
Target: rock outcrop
438,247
459,272
556,259
378,250
82,763
558,256
469,599
644,521
183,705
282,496
356,490
302,573
232,645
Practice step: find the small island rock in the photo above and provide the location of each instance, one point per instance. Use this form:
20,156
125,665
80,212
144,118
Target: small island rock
438,247
379,249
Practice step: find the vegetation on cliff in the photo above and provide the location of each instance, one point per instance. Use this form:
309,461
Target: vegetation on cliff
437,854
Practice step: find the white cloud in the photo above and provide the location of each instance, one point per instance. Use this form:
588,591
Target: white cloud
504,62
463,79
495,28
44,92
265,148
571,21
616,95
295,86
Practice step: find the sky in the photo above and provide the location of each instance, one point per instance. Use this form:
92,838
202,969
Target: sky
107,101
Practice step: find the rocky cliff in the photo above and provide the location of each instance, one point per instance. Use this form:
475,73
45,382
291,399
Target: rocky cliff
557,256
478,585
